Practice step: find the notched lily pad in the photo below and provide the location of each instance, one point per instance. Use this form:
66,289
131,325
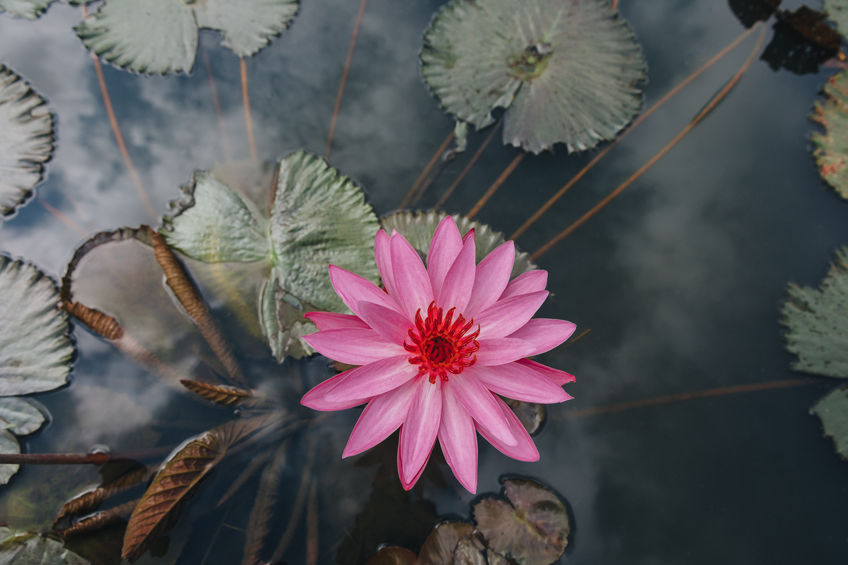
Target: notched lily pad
26,140
817,322
160,36
831,150
565,71
418,229
29,9
833,412
531,528
35,345
837,11
24,548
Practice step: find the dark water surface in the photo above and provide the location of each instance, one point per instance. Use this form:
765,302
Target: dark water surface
680,280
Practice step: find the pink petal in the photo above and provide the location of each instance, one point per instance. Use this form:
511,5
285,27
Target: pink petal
383,256
354,289
458,438
411,278
524,449
506,316
383,415
459,281
387,322
354,346
444,248
502,350
333,321
531,281
519,382
317,397
373,379
418,434
481,405
557,376
544,333
491,279
408,484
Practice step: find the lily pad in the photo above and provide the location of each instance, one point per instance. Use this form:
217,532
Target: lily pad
418,229
817,322
8,444
282,321
393,555
833,412
20,416
564,71
837,11
29,9
449,543
831,150
35,345
531,528
26,140
24,548
160,36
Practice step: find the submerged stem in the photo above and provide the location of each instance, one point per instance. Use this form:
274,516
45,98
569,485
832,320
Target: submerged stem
469,165
248,118
495,185
430,164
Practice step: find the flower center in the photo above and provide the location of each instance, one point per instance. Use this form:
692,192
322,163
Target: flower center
439,343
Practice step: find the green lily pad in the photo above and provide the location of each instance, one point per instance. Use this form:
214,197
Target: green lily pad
160,36
20,416
8,444
319,217
837,11
35,345
833,412
29,9
566,72
831,150
532,527
418,228
26,140
817,322
282,321
24,548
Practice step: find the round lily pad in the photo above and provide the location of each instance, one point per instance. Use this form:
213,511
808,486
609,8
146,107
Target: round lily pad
29,9
831,150
566,72
35,345
8,444
26,140
833,412
20,416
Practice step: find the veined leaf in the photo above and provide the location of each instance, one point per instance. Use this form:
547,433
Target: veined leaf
35,346
833,412
24,548
219,394
29,9
831,151
532,528
8,444
26,139
817,322
20,416
565,71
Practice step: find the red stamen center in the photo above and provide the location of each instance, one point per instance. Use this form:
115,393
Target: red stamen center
439,344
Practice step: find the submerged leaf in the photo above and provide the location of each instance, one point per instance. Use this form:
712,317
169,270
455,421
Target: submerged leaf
20,416
38,358
29,9
565,71
8,444
26,140
817,322
160,36
831,151
23,548
532,528
319,217
833,412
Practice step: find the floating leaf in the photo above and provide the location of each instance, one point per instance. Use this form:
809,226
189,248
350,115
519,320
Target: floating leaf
26,140
817,322
565,71
448,543
220,394
319,217
29,9
160,36
837,11
418,229
831,151
39,358
531,528
8,444
20,416
393,555
801,42
23,548
282,320
90,500
833,412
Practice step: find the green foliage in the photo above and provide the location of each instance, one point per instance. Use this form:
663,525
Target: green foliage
837,10
24,548
29,9
833,412
8,444
831,150
20,416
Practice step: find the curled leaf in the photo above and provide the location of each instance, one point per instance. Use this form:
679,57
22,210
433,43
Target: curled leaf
92,499
283,324
219,394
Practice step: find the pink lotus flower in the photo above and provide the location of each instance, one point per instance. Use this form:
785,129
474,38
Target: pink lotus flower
436,349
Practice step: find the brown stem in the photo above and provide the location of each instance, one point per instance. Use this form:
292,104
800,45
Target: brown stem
248,119
495,185
430,164
469,165
79,458
225,143
340,93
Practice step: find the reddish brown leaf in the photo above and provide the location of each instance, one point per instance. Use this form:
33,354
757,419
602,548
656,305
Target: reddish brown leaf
220,394
101,519
393,555
90,500
441,544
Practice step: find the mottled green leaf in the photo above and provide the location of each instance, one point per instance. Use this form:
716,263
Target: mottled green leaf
26,140
837,10
565,71
418,229
833,412
8,444
319,217
531,528
817,322
213,223
831,150
20,416
24,548
160,36
282,321
29,9
35,347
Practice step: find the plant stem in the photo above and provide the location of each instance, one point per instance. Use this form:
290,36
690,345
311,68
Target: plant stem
496,185
248,118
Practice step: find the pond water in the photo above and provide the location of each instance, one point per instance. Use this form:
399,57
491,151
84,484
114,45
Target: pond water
680,281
